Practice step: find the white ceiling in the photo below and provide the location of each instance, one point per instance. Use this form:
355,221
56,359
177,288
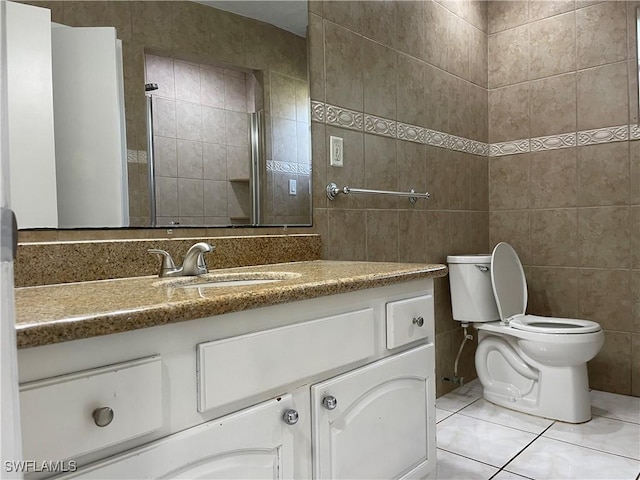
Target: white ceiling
290,15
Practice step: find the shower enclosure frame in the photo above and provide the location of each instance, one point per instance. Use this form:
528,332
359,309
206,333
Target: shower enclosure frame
151,166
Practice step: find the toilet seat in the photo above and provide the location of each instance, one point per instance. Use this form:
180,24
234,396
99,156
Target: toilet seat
552,325
510,290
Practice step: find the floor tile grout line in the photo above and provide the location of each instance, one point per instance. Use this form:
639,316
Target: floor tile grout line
468,458
503,470
541,434
526,446
512,428
594,449
459,409
616,419
502,424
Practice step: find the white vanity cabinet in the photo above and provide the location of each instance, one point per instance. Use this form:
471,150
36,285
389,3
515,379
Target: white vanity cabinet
252,443
67,416
332,387
377,421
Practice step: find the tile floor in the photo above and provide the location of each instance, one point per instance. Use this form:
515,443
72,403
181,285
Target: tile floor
479,440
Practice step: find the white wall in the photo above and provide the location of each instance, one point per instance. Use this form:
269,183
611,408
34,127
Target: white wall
30,114
90,146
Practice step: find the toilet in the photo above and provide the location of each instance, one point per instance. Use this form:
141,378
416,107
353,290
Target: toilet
528,363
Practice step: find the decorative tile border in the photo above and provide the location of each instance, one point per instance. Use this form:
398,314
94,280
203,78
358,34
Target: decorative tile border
285,167
457,143
509,148
582,138
411,133
345,118
317,111
136,156
342,117
553,142
603,135
132,156
479,148
435,138
380,126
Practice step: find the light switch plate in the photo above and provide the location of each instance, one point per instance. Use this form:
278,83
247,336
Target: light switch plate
337,151
293,187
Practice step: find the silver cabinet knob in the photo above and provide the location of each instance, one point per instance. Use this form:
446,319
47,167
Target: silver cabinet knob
329,402
102,416
418,321
290,417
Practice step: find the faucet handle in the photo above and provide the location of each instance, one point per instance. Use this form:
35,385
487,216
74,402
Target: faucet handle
167,264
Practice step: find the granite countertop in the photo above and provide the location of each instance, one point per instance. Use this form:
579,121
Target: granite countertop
72,311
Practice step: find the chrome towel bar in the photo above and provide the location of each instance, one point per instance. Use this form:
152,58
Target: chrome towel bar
333,190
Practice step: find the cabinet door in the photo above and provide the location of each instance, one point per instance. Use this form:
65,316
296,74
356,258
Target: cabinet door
252,443
382,424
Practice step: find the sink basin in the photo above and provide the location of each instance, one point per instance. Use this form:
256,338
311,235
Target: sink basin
236,279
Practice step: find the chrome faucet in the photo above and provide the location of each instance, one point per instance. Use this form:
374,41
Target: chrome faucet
193,263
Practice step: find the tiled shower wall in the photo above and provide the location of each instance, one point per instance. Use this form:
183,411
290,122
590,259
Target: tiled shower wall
201,141
412,65
288,150
560,74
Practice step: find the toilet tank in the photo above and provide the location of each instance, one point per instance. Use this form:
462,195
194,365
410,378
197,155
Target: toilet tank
472,297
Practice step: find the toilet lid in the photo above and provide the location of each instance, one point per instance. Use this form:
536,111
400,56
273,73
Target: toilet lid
508,281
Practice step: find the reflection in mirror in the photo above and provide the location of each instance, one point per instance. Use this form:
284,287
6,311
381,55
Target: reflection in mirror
214,141
226,140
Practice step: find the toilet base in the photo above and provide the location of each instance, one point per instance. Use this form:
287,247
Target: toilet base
580,412
557,393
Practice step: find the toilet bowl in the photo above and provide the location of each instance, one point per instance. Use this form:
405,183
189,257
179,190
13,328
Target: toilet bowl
529,363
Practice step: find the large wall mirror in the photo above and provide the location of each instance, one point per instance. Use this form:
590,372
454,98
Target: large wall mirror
204,109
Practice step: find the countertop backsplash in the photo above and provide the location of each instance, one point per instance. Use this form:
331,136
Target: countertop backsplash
51,263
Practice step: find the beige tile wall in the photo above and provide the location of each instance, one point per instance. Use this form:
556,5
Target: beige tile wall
289,151
572,214
422,63
569,213
202,148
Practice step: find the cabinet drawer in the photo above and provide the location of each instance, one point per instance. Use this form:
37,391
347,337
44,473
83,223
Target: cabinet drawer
249,365
251,443
57,413
403,320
